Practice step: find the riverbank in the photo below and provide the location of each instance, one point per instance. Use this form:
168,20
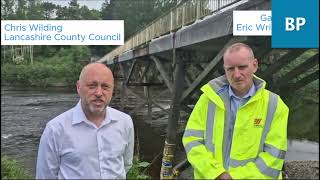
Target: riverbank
301,170
40,74
53,88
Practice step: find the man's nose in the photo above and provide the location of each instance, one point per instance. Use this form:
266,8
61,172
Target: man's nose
236,72
98,91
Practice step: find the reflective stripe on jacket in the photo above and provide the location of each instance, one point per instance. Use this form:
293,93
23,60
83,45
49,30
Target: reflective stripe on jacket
259,139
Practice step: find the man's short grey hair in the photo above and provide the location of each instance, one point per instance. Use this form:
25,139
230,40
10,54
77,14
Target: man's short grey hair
237,46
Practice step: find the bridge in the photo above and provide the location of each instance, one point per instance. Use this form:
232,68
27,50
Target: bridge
182,50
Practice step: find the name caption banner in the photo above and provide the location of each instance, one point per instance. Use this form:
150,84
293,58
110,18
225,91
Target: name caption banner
252,23
62,32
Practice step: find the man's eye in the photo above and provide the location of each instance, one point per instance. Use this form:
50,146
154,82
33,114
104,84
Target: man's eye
230,69
106,87
92,86
242,67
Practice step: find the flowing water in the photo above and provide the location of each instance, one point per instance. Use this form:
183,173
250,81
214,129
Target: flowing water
25,112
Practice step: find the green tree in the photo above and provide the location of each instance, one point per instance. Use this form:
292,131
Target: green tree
7,9
74,10
62,13
21,10
48,9
35,10
87,14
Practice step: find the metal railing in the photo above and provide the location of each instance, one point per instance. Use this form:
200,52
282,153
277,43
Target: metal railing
176,18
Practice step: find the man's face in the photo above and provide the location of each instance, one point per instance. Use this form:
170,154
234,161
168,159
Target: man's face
239,68
95,89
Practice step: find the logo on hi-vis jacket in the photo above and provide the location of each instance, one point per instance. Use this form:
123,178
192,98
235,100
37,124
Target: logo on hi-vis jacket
258,123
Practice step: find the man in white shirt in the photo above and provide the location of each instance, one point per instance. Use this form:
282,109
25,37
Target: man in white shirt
91,140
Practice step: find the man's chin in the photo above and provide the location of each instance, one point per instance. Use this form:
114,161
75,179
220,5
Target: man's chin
97,111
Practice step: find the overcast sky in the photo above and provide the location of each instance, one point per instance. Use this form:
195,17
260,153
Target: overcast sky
91,4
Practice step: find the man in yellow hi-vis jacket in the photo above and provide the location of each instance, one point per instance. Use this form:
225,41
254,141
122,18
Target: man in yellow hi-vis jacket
237,129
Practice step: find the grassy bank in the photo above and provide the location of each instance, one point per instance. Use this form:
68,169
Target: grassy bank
11,170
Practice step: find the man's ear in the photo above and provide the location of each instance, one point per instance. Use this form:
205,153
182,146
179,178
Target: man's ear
78,86
255,65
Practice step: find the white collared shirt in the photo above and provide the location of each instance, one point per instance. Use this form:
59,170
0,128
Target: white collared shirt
72,147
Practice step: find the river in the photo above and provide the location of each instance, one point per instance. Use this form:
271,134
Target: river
25,112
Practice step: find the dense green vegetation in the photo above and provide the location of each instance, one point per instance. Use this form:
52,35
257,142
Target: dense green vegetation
60,69
11,170
137,168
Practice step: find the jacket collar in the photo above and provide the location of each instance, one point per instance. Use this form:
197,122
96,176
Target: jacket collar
214,87
221,82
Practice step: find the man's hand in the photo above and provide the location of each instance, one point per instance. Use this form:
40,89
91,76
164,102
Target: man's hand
224,175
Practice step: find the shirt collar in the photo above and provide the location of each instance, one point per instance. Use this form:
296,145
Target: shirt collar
79,116
112,116
250,93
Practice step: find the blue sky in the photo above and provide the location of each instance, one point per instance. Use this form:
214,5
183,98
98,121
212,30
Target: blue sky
91,4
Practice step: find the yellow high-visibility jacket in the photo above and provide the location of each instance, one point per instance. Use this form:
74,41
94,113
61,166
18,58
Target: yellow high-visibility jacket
259,141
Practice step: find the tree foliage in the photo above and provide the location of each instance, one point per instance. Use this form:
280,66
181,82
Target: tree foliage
7,11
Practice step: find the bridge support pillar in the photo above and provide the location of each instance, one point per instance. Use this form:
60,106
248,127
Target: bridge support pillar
149,104
170,142
123,90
